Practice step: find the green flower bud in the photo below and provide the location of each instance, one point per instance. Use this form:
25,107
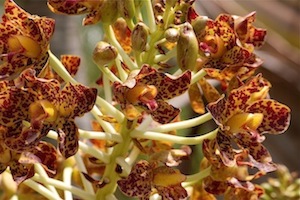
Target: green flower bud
109,11
199,25
139,37
104,53
126,8
172,35
187,47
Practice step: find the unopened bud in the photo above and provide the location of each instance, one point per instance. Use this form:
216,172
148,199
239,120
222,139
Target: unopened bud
104,53
199,25
126,8
172,35
187,48
139,37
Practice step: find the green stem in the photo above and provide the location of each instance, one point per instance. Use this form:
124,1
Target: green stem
107,89
110,109
40,170
61,185
163,58
108,74
100,135
123,75
150,15
81,167
183,124
150,54
174,138
85,148
198,75
192,179
113,40
41,189
119,150
58,67
67,174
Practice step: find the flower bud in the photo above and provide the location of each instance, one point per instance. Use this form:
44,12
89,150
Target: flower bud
104,53
172,35
199,25
126,8
139,37
187,47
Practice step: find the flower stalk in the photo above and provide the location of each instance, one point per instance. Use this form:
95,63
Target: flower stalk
150,54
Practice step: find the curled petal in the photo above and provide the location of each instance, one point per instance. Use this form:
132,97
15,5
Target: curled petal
172,192
45,154
71,63
138,183
276,115
168,87
76,100
196,99
68,137
20,172
165,112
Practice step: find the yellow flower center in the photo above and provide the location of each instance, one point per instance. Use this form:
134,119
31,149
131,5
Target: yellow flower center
215,45
142,93
26,45
167,179
43,110
249,120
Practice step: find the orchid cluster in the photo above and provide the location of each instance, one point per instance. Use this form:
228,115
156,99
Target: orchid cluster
152,52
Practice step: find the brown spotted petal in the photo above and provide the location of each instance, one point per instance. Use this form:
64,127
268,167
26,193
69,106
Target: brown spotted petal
214,187
172,192
24,40
210,93
70,7
45,154
20,172
276,115
168,87
259,156
138,183
76,100
165,112
247,33
68,137
240,190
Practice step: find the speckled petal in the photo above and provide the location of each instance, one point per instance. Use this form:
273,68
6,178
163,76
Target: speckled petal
45,154
138,183
276,115
76,100
172,192
68,137
20,172
210,93
165,112
67,7
71,63
247,33
196,99
259,157
168,87
214,187
217,110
